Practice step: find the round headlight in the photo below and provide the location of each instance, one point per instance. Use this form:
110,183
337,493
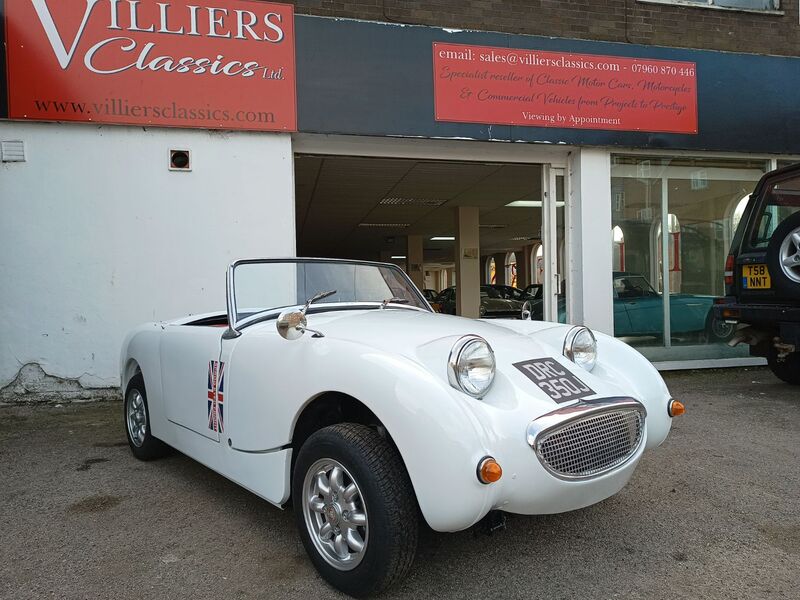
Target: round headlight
471,366
580,347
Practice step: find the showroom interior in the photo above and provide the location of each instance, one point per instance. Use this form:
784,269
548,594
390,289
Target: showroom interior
378,208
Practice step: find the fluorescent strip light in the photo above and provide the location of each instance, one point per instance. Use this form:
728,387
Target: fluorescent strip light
398,201
397,257
531,204
443,238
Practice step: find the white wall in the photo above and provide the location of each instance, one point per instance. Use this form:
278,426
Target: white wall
590,270
97,235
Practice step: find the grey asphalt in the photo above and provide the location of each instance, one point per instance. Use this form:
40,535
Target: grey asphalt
713,513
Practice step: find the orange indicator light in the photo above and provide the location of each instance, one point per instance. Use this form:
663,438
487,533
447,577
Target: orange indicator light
675,408
489,471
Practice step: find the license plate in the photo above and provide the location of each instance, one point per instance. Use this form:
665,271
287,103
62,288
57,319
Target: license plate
755,277
554,380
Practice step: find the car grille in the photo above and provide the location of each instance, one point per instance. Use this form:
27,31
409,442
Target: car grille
593,444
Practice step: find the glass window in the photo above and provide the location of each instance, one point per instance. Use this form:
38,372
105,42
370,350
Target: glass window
738,213
538,265
740,4
697,201
782,199
618,248
511,269
636,189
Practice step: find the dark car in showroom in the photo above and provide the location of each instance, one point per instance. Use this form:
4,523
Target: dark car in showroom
509,292
762,274
493,304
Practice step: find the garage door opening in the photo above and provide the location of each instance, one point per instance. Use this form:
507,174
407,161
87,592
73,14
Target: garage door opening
418,214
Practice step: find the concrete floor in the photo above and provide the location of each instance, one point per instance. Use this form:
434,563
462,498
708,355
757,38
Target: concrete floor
713,513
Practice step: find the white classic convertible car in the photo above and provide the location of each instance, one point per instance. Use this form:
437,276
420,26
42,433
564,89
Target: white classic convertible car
332,383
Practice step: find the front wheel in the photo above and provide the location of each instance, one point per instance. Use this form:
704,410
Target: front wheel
354,507
787,369
137,423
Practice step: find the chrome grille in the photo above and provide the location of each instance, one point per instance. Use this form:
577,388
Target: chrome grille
593,444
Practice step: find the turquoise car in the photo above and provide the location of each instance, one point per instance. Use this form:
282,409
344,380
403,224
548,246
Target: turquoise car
639,312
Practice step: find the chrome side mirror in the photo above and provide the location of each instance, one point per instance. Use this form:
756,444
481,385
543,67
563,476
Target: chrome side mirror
291,324
526,311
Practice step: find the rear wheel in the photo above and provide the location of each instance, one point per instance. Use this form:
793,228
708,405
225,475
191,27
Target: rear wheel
717,330
783,257
787,369
355,509
137,423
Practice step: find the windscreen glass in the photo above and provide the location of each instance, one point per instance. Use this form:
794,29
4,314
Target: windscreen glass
266,286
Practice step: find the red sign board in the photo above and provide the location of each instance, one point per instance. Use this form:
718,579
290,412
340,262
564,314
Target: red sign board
176,63
479,84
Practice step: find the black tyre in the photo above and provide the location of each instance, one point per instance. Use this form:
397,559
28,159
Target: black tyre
783,257
717,330
136,417
787,369
355,509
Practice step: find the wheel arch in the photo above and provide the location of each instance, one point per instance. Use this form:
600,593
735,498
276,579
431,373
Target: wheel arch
331,408
130,370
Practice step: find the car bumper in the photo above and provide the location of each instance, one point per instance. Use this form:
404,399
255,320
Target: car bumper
530,484
765,315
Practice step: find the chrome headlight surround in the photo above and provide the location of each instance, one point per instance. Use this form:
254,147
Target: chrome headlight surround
580,346
470,354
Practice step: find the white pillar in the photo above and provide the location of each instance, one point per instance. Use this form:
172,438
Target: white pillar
467,257
589,239
414,260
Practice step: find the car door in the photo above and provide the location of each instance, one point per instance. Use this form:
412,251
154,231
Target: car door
642,305
622,323
689,313
261,369
193,378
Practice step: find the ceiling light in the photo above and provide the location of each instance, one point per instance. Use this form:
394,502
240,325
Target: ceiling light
395,225
398,201
397,257
443,238
531,204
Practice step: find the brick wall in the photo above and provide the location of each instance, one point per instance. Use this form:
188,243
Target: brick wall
612,20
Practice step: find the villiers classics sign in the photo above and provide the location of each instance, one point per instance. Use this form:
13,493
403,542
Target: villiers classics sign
181,63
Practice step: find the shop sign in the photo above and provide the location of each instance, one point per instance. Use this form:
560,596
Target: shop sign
183,63
481,84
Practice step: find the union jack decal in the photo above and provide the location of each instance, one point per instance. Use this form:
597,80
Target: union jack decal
216,381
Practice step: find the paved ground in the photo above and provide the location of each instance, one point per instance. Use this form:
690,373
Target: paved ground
714,513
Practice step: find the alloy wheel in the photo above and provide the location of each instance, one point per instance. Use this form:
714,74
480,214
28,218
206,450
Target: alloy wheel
789,256
335,514
136,418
